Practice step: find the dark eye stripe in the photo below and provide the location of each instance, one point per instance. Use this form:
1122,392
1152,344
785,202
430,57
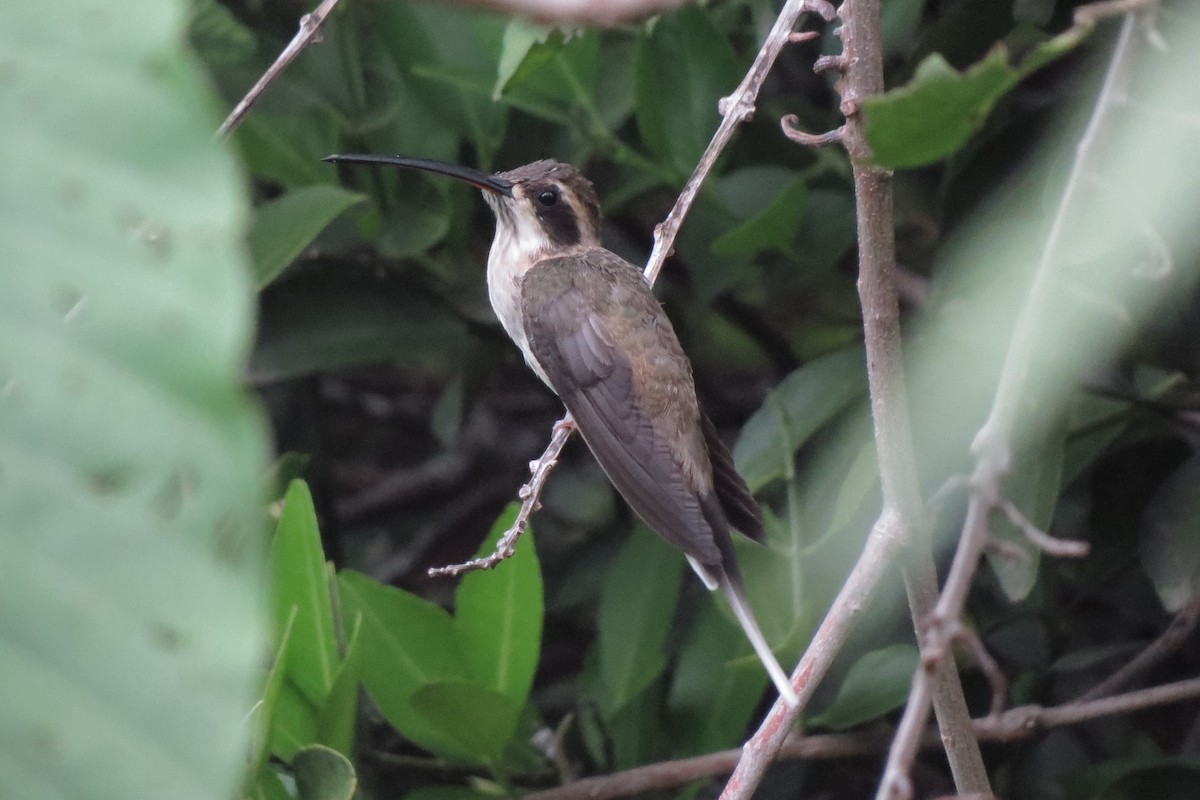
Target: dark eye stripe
557,216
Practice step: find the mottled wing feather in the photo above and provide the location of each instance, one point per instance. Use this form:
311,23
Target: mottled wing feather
743,513
575,347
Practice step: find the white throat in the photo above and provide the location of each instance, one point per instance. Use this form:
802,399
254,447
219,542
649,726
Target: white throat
519,243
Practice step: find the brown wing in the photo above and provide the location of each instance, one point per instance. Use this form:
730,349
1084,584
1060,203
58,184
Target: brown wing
731,489
570,327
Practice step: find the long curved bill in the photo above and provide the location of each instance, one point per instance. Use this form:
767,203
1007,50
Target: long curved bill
475,177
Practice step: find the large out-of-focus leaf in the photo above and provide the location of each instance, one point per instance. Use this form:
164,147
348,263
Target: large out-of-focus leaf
498,617
131,613
684,66
793,410
635,614
773,227
878,682
1170,543
285,226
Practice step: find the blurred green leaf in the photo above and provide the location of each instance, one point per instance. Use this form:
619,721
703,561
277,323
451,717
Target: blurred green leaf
773,228
283,227
323,774
717,685
336,719
521,51
684,66
266,785
498,617
288,149
435,45
293,722
935,113
301,594
793,411
217,35
636,608
265,709
131,602
478,720
407,644
1170,541
329,323
878,682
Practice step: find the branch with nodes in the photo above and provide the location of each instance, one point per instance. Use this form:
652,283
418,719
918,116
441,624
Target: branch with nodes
903,516
1013,725
992,444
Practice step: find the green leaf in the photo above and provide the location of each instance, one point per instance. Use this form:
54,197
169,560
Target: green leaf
773,228
793,411
407,644
283,227
1170,541
498,617
293,722
520,52
267,786
336,719
636,608
446,793
131,602
479,721
265,708
878,682
323,774
301,593
288,150
935,113
717,686
684,67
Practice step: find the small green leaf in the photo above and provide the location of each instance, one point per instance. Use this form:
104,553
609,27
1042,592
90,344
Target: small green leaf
520,37
407,644
684,67
498,617
1170,541
284,227
267,786
323,774
293,721
793,411
301,591
479,721
265,710
878,682
774,228
336,719
636,608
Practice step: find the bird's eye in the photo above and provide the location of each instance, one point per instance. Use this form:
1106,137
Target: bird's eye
548,197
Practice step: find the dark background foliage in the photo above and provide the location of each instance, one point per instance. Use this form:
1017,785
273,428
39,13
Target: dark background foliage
392,390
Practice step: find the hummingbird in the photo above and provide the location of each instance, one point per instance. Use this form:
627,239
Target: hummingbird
590,327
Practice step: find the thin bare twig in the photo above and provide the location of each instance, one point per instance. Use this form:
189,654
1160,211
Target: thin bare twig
310,31
992,447
1012,725
1063,548
529,493
1168,642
